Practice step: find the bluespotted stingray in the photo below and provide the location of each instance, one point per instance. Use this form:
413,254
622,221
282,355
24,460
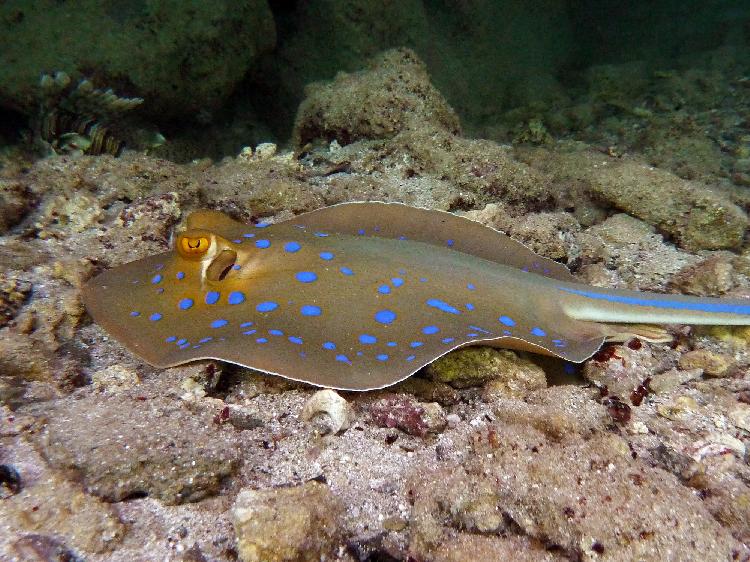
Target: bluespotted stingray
359,296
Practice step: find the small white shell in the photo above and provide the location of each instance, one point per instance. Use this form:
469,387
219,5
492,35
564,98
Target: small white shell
338,411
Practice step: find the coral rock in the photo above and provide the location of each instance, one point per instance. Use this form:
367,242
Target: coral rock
475,366
405,413
394,95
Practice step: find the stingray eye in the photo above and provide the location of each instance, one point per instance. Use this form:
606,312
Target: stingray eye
193,246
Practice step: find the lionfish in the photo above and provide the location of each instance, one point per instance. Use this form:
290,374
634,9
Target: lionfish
82,119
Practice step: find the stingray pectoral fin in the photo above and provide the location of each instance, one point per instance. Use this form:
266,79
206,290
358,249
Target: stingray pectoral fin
575,350
438,228
582,302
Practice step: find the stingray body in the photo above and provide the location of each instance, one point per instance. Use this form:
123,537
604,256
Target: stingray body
359,296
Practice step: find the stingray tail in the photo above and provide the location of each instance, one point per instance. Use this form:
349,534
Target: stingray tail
583,302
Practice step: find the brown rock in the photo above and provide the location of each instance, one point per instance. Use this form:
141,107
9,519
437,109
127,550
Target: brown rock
53,505
711,277
713,364
297,524
136,443
15,202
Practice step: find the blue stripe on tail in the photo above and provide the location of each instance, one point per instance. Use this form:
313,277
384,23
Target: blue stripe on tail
664,303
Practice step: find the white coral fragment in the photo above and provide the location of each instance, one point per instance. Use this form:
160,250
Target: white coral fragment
332,410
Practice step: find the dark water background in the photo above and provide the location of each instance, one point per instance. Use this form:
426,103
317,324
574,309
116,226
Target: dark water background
220,75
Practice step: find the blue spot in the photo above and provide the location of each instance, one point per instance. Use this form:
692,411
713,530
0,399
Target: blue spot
329,345
181,341
321,234
302,354
249,235
310,310
262,225
346,271
306,277
212,297
184,346
469,306
507,332
382,357
263,243
450,243
416,344
367,339
180,275
135,313
472,334
665,302
470,286
423,279
246,324
326,256
249,332
236,267
170,339
397,281
447,340
292,247
411,358
444,306
361,231
402,237
295,339
385,316
186,303
359,353
478,329
154,317
236,297
376,229
276,332
267,306
262,340
343,359
160,290
507,321
430,330
391,344
537,331
204,340
220,323
238,241
384,289
156,279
